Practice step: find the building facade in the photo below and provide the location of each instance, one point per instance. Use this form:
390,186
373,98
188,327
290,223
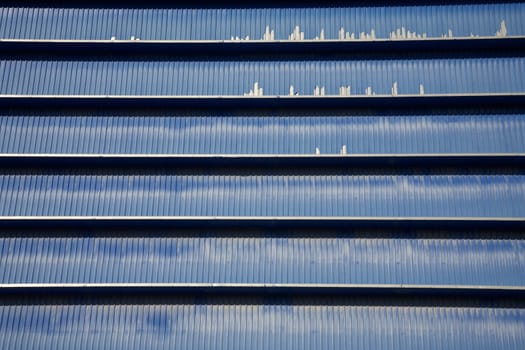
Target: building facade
262,175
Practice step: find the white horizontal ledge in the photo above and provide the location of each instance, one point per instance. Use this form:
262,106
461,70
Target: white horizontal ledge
244,155
264,97
260,41
272,218
256,285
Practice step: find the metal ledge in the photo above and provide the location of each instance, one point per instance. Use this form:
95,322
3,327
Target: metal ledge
482,45
485,160
375,101
224,4
260,222
260,289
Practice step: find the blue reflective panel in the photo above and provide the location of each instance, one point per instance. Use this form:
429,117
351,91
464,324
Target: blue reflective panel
261,133
264,257
222,24
240,324
143,193
141,77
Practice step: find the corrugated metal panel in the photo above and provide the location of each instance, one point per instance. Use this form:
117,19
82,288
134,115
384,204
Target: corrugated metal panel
262,133
221,24
251,194
284,324
472,75
73,250
360,257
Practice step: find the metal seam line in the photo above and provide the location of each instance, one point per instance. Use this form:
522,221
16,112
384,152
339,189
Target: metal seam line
271,218
265,97
258,41
263,285
247,155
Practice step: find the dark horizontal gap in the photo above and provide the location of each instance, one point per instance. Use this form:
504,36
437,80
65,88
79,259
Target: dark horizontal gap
390,300
283,169
421,163
264,51
233,3
504,233
296,295
261,111
123,222
355,101
308,55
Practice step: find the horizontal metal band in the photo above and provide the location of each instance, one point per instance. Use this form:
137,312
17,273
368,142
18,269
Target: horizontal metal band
374,101
308,160
259,221
227,3
231,47
262,288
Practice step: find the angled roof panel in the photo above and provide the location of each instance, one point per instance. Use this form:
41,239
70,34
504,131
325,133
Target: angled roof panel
223,23
142,193
160,77
408,257
240,323
176,132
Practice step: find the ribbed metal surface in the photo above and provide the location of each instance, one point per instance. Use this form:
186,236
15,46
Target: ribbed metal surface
251,194
285,324
468,75
270,133
192,24
470,224
467,258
